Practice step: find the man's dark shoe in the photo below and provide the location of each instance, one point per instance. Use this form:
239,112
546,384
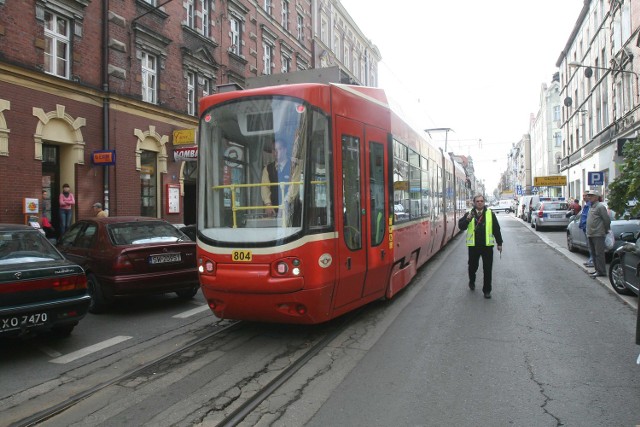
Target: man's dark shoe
591,272
487,295
472,286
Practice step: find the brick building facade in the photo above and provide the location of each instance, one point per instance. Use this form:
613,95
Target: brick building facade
79,77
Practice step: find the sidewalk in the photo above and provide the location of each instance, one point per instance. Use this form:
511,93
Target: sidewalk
579,258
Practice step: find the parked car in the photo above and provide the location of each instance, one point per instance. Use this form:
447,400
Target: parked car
131,256
503,206
577,240
40,290
550,214
625,265
523,207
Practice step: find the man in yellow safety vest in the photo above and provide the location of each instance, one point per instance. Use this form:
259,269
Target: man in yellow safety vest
483,233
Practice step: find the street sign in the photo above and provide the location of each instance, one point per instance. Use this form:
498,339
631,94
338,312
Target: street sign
534,190
595,178
550,181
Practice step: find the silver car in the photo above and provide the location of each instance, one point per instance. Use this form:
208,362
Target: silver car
550,214
577,240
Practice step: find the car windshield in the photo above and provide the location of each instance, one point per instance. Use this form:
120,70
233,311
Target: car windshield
140,233
25,246
556,206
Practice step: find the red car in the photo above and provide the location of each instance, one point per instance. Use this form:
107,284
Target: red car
39,288
131,256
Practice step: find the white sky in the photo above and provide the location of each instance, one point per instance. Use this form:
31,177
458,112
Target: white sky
476,67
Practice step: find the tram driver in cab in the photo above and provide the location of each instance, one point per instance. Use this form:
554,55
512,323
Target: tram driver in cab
286,170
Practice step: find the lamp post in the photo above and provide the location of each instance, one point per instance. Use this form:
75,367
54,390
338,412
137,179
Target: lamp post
446,134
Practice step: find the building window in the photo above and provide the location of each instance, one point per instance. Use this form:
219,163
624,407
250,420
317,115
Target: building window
556,113
149,78
205,18
57,45
235,34
286,64
324,31
268,6
557,139
267,57
191,20
191,93
345,59
285,15
206,87
300,28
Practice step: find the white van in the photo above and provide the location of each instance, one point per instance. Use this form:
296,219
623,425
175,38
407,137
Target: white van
503,206
523,207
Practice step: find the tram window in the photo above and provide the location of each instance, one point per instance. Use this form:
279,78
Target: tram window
352,227
415,193
376,192
401,189
426,193
320,212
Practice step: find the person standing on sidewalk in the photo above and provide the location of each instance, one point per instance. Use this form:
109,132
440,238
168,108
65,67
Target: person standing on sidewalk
483,232
583,226
67,202
598,225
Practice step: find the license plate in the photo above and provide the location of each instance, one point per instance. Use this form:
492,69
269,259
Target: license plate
556,216
241,256
164,258
28,320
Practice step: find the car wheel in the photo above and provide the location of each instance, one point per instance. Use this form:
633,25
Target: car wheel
570,243
616,277
188,293
99,300
533,224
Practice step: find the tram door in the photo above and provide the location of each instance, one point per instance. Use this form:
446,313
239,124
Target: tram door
356,235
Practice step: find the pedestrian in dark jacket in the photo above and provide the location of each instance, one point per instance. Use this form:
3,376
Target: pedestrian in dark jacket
483,233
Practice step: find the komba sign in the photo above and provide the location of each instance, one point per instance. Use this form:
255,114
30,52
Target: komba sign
185,154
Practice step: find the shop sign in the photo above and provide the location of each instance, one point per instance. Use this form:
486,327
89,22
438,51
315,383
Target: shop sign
104,157
184,137
185,154
549,181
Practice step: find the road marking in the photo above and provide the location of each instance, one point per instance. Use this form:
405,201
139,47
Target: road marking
191,312
88,350
48,351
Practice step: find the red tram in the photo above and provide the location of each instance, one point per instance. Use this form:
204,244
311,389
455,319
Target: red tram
316,199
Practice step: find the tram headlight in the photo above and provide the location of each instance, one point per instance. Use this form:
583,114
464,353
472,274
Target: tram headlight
295,271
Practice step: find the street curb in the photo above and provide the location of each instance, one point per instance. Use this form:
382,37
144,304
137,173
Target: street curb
571,257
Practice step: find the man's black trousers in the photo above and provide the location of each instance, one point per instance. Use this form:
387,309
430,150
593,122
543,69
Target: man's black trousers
486,253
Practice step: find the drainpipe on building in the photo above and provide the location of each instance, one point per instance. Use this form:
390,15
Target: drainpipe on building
105,99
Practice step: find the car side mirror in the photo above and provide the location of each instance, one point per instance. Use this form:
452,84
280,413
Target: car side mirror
627,236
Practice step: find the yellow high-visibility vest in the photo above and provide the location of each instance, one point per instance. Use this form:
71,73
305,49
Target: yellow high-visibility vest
490,240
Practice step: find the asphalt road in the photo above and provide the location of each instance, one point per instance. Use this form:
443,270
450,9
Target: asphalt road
553,347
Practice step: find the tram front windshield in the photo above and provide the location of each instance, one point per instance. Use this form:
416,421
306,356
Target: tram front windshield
264,171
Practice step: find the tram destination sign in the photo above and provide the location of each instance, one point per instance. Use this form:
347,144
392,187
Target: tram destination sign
549,181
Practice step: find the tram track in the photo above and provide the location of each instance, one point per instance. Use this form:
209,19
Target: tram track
59,408
240,413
